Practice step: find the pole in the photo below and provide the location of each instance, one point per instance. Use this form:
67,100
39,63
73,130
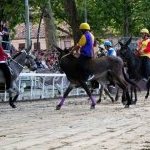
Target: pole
85,11
27,25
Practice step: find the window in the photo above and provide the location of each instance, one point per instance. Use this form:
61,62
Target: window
21,46
35,46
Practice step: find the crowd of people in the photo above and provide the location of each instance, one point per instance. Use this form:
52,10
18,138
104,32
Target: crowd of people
46,59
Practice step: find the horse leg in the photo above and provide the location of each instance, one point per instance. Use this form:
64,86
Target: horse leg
85,87
11,103
122,84
148,88
133,90
117,95
100,93
108,93
135,95
70,87
125,95
129,102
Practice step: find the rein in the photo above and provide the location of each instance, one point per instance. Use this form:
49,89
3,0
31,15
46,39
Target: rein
23,51
17,62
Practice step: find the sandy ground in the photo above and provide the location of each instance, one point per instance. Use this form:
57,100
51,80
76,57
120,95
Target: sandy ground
38,126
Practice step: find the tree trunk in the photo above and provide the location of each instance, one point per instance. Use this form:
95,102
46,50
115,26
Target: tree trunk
50,30
126,18
71,11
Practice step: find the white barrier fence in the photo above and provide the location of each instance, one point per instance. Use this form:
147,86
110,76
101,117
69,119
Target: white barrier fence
40,86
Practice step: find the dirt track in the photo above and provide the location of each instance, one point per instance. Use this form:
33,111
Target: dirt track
38,126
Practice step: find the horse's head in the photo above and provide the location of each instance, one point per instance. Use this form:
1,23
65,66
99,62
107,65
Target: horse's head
30,62
62,52
125,52
29,59
65,58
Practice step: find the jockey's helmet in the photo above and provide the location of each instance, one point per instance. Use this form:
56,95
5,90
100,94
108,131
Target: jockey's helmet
107,43
84,26
144,31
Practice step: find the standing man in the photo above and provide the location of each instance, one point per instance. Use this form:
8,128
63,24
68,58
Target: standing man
85,48
143,51
5,31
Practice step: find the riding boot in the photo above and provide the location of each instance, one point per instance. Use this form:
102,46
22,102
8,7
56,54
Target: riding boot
145,67
6,71
83,61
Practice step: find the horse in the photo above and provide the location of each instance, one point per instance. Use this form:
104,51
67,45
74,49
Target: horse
91,84
105,69
16,65
102,52
134,66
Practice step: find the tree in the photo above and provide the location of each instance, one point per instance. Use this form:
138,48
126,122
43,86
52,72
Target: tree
50,30
115,17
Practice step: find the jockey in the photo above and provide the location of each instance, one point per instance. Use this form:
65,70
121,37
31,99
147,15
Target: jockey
4,67
85,47
110,51
143,50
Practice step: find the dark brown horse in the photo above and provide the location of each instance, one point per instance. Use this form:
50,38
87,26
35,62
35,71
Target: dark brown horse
134,66
105,69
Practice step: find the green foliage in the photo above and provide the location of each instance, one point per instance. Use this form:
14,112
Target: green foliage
105,17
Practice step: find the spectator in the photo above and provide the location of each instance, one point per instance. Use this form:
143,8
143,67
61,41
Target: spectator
5,31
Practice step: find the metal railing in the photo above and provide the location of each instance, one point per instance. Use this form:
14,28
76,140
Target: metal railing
41,86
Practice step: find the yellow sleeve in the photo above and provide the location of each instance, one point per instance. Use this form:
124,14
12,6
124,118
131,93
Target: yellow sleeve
82,41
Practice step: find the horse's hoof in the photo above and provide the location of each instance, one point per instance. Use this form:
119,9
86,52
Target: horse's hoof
58,107
124,102
98,102
13,106
126,106
146,97
113,100
133,103
92,107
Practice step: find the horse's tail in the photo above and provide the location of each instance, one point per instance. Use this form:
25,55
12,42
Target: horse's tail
129,81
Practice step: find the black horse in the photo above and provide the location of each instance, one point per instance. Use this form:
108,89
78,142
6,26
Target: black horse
105,69
134,66
16,64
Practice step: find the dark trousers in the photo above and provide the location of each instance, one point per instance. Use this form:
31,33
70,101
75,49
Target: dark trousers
145,66
84,69
6,71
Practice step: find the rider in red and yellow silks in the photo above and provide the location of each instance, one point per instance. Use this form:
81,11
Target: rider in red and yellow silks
144,46
144,52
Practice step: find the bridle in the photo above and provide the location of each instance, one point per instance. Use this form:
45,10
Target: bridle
23,51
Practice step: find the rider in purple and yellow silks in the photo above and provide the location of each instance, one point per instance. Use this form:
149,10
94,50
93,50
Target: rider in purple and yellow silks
85,47
86,41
